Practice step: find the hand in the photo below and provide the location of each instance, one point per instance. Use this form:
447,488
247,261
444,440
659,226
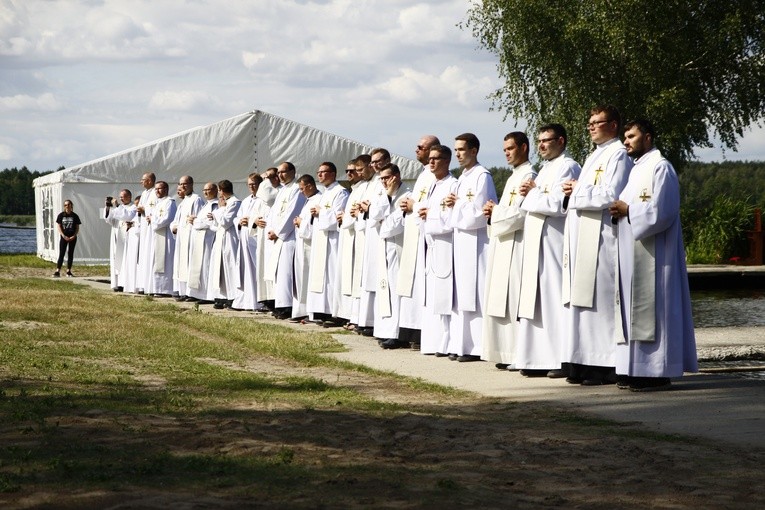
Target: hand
568,187
190,219
450,200
210,216
619,209
261,222
272,236
423,213
407,205
296,221
244,222
364,206
488,208
315,212
526,186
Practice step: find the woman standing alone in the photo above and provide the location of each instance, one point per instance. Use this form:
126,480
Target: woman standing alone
68,227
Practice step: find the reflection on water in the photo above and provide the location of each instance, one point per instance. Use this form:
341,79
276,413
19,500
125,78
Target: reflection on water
721,308
17,240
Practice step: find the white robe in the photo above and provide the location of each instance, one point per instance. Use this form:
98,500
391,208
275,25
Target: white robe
162,216
224,280
189,206
592,331
539,344
322,289
247,259
117,218
654,221
371,238
391,233
129,270
439,274
474,188
503,275
201,248
347,255
303,245
279,254
144,278
411,280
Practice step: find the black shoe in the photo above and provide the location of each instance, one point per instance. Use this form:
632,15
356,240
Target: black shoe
641,384
453,357
57,274
298,320
440,355
556,373
180,298
219,305
468,357
574,380
390,343
501,366
69,274
365,331
529,372
623,382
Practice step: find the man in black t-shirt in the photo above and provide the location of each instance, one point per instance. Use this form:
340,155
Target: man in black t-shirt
68,227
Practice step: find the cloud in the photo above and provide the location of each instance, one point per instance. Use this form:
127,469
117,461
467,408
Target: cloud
6,152
43,103
181,101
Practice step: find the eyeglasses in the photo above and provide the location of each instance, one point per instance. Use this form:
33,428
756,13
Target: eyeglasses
548,140
421,147
386,177
596,123
434,159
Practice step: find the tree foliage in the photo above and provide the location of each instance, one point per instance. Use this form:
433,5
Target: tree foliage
690,66
16,193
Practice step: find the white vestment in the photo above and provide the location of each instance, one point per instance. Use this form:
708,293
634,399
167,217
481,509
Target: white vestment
145,271
347,255
162,216
129,270
410,284
224,282
247,258
439,274
371,238
539,342
189,206
388,213
201,248
474,188
322,287
279,253
503,275
117,219
303,244
656,318
590,258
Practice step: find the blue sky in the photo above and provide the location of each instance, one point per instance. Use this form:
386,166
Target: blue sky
82,79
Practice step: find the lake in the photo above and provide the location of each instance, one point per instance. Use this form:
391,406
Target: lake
17,240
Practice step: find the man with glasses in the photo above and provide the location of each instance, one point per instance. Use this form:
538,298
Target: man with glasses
375,189
162,257
250,209
410,285
322,278
503,276
281,236
590,286
474,188
539,345
305,226
346,221
201,245
190,205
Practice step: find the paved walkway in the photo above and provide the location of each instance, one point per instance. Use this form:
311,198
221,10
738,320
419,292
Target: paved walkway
722,407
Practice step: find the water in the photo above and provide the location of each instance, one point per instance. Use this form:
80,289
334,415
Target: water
17,240
725,308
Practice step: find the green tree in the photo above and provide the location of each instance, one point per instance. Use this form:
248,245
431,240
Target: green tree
691,66
17,196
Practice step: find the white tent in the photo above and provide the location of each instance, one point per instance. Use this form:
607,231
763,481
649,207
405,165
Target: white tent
230,149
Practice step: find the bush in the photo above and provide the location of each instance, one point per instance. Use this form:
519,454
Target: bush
715,235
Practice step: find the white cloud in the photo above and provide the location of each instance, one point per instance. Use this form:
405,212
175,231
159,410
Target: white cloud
250,58
6,152
180,100
43,103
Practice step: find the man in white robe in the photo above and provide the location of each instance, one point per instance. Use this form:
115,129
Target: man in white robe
503,276
250,208
475,187
267,194
189,206
305,224
144,280
346,251
589,290
281,235
202,240
539,345
223,283
439,237
129,267
322,278
379,158
390,218
655,306
163,246
116,215
410,284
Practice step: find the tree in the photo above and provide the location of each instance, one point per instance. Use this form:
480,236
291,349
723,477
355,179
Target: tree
691,66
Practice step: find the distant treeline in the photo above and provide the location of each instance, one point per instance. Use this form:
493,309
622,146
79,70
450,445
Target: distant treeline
17,197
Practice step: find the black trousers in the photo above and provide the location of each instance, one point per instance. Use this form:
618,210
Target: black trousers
65,247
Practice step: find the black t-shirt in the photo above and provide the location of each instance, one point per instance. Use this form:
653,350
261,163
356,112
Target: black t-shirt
68,223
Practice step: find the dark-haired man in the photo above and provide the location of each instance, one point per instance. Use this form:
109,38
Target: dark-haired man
224,280
117,215
655,300
163,247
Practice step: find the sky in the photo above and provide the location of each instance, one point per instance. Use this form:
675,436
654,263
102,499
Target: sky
82,79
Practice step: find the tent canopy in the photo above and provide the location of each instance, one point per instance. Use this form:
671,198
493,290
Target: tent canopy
230,149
